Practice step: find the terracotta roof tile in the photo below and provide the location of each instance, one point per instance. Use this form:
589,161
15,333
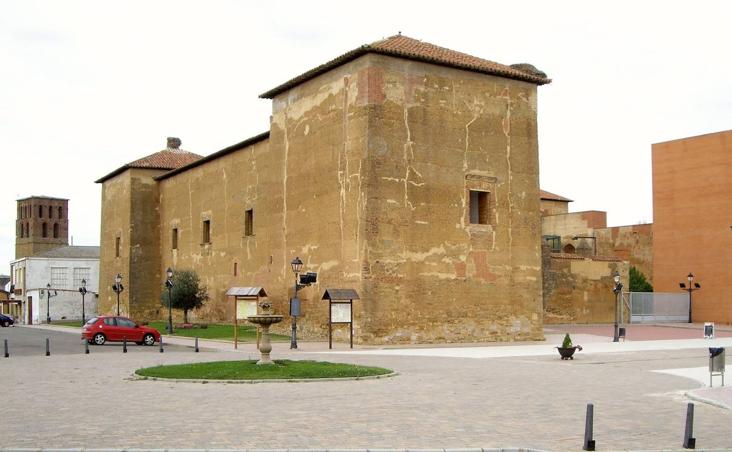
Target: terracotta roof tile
552,197
167,159
413,49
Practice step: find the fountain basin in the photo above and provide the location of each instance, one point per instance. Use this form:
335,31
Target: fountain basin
265,347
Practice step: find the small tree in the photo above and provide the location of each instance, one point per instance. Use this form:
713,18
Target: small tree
187,292
638,281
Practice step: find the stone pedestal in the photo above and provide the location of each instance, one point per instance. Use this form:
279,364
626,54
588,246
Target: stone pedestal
265,346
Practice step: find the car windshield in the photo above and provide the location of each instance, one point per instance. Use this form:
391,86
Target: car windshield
91,321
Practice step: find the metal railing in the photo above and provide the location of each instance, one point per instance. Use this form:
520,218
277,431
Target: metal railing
658,307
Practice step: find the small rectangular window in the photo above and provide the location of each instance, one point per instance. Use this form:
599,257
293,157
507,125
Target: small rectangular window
206,231
174,243
554,242
81,273
116,246
58,277
479,207
249,222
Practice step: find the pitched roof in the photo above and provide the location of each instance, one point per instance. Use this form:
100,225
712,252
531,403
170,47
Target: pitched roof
412,49
167,159
340,294
215,155
66,252
552,197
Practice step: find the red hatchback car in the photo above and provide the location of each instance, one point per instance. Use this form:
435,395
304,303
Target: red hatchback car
99,330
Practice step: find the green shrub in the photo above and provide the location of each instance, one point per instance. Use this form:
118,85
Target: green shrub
567,342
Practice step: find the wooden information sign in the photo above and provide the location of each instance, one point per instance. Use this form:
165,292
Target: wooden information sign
340,310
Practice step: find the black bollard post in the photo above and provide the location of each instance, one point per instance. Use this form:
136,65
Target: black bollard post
161,344
124,344
689,440
86,347
589,442
196,345
7,354
48,347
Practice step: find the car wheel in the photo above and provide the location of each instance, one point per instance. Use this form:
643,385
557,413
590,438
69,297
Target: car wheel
6,323
149,339
99,339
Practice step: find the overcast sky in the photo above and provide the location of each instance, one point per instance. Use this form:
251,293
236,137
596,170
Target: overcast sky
87,86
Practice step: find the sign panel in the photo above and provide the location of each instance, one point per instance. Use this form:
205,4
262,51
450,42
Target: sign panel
294,307
245,308
708,330
340,312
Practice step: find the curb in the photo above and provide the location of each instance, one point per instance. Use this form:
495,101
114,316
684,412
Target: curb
509,449
708,401
136,377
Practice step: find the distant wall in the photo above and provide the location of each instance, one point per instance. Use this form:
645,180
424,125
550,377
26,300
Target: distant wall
579,289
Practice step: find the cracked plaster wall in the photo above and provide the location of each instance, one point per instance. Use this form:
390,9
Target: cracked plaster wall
365,177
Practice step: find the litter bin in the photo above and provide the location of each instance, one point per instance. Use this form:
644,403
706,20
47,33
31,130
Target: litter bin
716,363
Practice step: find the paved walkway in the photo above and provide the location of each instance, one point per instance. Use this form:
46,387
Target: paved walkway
517,395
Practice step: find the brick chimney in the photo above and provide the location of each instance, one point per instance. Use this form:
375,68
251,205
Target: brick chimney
174,143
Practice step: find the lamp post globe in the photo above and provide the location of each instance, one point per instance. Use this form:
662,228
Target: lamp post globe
169,285
296,267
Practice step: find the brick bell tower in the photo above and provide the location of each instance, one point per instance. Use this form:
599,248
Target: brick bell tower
42,224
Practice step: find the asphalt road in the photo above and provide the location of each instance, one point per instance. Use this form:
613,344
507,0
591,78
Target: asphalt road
32,342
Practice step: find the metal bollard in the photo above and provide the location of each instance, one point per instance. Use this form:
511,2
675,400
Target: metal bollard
48,347
589,442
7,355
124,345
86,347
689,440
196,345
161,344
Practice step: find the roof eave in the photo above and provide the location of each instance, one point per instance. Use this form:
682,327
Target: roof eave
353,54
235,147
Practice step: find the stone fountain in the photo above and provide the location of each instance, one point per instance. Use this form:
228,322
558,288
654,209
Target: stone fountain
264,320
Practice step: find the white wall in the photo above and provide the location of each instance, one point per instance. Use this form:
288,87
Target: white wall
65,305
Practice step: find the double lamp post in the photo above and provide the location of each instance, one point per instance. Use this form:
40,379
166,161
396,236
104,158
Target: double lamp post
690,289
118,288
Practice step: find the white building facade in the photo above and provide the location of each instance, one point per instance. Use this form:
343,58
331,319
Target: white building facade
62,268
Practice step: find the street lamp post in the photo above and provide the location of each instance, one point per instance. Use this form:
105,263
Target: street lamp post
169,285
48,302
118,288
296,267
82,291
617,290
690,289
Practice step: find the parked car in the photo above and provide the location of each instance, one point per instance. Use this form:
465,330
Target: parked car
6,320
102,329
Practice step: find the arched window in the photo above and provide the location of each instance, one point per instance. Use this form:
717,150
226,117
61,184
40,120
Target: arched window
569,248
44,228
22,230
27,230
50,212
40,212
60,212
55,230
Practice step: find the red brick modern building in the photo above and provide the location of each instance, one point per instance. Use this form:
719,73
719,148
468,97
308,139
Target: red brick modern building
692,214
